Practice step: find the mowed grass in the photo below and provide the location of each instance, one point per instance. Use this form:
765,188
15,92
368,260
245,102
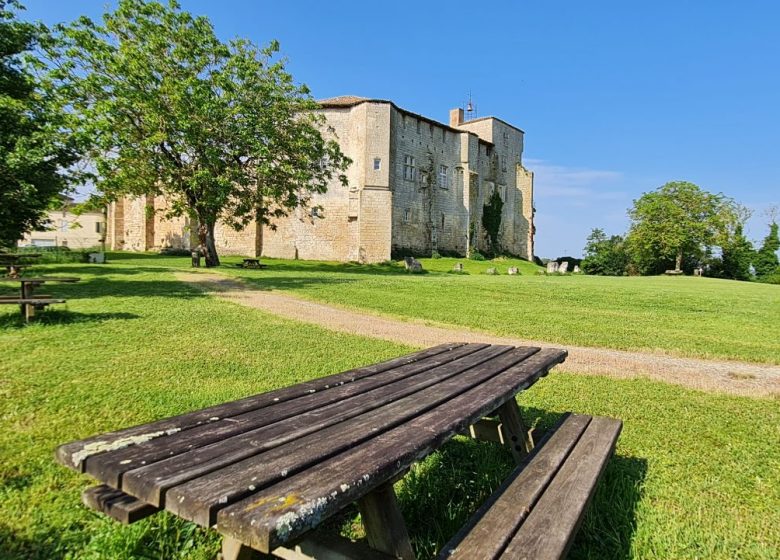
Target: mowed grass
691,317
694,476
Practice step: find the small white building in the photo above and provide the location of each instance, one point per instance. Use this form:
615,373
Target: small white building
67,229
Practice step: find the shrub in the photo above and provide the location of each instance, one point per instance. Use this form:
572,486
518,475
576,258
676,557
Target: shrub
477,256
176,252
435,254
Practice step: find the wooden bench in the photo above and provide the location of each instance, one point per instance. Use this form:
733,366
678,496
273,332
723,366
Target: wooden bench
538,509
30,305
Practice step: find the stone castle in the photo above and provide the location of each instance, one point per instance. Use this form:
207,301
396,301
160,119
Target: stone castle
415,186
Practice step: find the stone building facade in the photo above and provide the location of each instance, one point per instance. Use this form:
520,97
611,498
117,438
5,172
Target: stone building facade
415,186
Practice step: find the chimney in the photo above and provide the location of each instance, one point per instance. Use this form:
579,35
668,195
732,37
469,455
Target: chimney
456,117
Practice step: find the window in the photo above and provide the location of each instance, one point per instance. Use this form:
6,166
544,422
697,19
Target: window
98,227
418,126
506,136
316,212
444,135
63,225
443,177
407,215
377,164
410,171
442,221
502,192
503,163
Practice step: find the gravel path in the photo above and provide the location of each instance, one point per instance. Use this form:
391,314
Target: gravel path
738,378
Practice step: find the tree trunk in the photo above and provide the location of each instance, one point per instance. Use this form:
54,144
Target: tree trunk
207,247
678,260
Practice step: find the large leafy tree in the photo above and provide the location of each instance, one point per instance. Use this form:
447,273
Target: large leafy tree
677,223
221,130
35,153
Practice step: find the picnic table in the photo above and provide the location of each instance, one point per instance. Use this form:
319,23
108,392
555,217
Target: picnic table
28,301
266,470
11,262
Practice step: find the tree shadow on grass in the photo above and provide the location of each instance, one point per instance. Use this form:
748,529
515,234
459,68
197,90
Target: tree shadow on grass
62,317
439,495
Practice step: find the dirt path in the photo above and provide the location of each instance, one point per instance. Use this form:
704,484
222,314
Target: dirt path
738,378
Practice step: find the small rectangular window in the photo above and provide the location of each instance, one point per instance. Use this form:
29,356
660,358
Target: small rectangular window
442,221
443,177
503,163
63,225
98,227
410,171
377,164
418,126
444,135
407,215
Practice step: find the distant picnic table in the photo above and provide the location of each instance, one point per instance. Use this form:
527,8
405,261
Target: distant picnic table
28,301
253,263
266,470
11,262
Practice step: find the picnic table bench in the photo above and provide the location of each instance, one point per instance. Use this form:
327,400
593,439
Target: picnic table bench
266,470
28,301
11,262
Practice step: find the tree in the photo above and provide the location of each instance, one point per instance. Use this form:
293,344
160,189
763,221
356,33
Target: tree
221,130
35,155
604,255
736,257
676,222
766,262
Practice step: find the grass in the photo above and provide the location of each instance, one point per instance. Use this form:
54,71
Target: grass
695,474
691,317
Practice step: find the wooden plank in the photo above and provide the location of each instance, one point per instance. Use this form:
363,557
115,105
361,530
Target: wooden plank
200,499
31,301
494,524
487,429
318,545
384,524
516,434
236,550
109,467
72,454
285,510
116,504
310,433
550,528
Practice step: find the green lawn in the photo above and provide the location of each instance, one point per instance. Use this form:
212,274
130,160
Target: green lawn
694,317
695,475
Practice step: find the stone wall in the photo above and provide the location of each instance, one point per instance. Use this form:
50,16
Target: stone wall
382,208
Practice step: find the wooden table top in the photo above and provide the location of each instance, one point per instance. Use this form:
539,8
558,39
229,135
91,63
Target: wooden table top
268,468
40,279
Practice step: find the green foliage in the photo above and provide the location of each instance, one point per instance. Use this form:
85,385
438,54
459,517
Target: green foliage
491,221
736,256
220,129
35,154
771,278
435,254
766,262
605,256
475,255
675,223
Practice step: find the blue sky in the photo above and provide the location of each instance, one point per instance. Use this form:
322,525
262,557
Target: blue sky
616,97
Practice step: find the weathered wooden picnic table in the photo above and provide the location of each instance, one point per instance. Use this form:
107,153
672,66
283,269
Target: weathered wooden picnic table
11,262
27,300
266,470
253,263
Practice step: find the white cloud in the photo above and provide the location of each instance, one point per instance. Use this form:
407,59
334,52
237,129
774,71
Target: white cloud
558,181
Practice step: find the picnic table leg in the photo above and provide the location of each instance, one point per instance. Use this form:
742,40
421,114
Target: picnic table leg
233,549
28,311
384,524
516,434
